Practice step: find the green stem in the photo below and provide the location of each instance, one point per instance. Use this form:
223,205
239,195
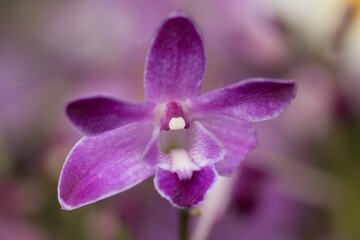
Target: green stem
183,224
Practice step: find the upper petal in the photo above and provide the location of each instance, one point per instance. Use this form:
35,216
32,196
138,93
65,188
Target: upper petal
176,61
237,137
252,100
185,193
95,115
104,165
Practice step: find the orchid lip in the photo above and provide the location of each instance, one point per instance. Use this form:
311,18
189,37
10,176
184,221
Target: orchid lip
182,164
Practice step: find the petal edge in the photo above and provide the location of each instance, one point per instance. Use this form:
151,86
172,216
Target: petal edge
252,100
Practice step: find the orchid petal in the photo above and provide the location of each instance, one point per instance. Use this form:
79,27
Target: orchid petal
104,165
237,137
184,193
99,114
203,147
175,62
153,156
251,100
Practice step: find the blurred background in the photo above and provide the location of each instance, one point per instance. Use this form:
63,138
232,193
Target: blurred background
301,182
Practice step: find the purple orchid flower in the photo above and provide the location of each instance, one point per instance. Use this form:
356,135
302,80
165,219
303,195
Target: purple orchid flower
185,140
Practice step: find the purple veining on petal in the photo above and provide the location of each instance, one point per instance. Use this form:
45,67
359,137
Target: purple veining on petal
104,165
175,62
95,115
237,137
251,100
185,193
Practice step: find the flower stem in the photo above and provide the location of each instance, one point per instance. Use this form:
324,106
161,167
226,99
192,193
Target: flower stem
183,224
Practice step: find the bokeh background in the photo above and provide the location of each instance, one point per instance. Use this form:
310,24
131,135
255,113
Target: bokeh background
301,183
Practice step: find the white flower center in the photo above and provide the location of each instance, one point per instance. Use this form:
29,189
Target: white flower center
182,164
177,123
